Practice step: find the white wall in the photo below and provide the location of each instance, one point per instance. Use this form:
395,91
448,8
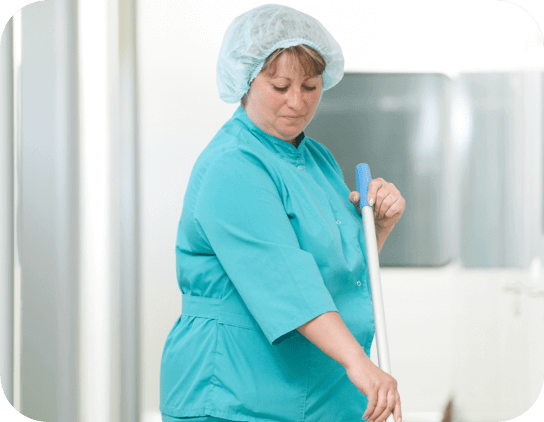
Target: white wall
180,111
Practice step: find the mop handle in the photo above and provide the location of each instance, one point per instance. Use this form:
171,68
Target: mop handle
363,179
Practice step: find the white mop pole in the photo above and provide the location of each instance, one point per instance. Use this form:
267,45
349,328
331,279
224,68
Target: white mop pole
363,179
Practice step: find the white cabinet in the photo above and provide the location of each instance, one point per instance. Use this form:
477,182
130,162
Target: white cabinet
476,336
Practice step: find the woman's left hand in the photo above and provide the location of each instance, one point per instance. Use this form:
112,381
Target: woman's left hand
388,204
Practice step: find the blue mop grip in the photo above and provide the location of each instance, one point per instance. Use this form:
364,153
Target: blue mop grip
363,179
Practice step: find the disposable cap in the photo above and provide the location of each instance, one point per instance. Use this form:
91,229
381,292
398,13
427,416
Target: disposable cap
254,35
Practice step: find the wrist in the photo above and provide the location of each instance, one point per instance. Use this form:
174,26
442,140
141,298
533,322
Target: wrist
383,226
357,357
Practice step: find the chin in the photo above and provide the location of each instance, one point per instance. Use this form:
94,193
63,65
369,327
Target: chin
291,132
289,136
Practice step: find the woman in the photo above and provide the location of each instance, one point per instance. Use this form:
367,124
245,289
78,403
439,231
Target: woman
276,320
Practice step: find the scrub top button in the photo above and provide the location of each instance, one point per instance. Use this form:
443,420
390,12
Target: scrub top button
299,167
338,222
358,283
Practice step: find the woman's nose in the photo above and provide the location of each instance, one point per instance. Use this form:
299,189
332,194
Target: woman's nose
294,99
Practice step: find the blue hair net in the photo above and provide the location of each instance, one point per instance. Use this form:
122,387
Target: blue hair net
253,36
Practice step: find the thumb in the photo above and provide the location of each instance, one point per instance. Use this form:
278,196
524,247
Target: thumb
396,411
354,198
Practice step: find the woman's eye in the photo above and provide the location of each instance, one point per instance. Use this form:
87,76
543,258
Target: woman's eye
285,88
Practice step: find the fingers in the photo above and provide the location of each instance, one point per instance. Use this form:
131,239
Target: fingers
386,198
380,389
383,406
373,187
397,413
389,206
384,402
382,193
388,201
389,404
371,406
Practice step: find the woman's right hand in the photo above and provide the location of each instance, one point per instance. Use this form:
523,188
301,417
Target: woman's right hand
330,334
379,387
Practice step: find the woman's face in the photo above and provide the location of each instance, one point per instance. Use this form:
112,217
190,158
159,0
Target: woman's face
283,103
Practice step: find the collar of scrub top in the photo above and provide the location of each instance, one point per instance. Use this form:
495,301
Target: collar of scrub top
284,148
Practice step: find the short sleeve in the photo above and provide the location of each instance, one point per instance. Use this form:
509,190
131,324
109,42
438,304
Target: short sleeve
241,215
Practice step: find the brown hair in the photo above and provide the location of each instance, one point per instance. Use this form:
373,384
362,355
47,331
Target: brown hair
310,59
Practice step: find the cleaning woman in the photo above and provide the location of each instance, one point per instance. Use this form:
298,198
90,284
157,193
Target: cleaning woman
276,322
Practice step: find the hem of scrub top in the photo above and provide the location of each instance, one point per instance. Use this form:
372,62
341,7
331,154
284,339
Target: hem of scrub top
167,418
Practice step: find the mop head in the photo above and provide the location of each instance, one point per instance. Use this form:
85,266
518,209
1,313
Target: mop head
448,412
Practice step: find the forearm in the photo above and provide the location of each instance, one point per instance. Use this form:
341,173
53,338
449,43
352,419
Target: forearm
330,334
381,235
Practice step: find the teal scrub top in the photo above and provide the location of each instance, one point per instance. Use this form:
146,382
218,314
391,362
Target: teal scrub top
267,241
